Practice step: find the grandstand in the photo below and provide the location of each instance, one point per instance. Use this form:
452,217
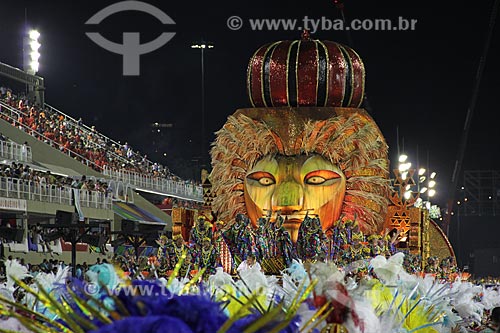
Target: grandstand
51,163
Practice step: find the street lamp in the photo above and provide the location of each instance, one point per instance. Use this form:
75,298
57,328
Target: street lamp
202,46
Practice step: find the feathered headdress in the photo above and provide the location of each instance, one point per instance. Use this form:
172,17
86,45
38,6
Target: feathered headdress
15,271
358,236
374,236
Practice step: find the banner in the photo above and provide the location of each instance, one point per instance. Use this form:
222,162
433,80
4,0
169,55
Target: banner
76,196
13,204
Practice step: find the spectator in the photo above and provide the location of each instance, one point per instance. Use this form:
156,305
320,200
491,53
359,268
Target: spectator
249,263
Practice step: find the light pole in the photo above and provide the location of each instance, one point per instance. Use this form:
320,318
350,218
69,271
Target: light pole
202,46
31,64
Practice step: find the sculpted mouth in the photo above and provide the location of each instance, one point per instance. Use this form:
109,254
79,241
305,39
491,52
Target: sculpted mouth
293,221
292,218
297,215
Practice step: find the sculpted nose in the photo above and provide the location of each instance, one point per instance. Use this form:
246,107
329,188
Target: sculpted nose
288,197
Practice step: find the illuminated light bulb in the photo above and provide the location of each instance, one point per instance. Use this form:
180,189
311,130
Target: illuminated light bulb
404,166
34,65
34,34
35,45
34,56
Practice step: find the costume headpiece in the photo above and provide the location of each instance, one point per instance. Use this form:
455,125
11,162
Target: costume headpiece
177,236
358,236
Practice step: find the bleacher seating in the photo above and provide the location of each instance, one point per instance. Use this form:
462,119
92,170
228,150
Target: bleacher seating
117,161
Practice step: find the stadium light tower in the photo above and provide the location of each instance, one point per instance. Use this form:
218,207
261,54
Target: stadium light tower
202,46
34,45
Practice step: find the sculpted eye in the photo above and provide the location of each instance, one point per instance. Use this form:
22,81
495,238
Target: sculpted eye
321,177
315,180
264,178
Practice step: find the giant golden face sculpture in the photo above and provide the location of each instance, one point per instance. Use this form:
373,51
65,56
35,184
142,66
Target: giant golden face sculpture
295,186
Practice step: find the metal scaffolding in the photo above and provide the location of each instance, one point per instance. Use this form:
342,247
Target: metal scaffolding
35,83
480,193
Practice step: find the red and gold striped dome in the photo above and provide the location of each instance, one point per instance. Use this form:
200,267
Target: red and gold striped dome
305,72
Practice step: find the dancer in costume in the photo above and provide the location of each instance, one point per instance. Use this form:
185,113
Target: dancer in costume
338,235
375,247
357,250
225,259
246,238
201,230
311,240
283,242
262,238
162,246
207,258
240,239
230,234
176,249
346,233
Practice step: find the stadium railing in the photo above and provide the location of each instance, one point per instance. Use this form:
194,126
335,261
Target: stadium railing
29,190
178,189
14,151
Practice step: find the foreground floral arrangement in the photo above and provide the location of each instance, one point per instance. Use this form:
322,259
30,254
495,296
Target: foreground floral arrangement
365,297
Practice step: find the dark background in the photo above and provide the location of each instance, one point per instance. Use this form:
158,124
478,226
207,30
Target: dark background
419,82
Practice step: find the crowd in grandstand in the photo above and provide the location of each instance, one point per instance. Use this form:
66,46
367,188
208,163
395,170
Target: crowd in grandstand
83,143
46,178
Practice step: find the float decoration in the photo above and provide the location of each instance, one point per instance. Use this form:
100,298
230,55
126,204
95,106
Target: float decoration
306,95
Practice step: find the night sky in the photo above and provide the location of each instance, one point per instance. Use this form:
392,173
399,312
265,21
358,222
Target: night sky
418,81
